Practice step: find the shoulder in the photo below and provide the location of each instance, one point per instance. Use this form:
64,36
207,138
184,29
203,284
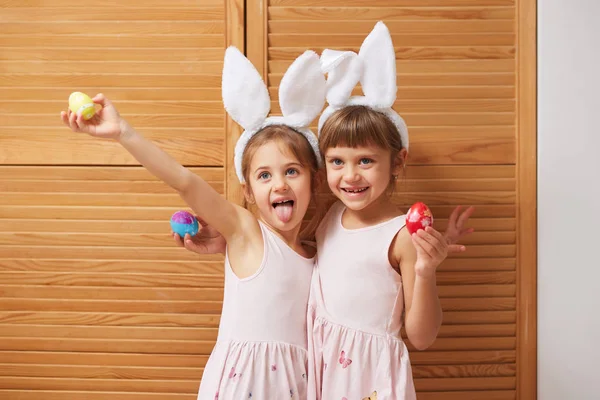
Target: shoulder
403,248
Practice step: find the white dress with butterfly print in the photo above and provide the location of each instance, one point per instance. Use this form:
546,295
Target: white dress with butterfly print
355,315
261,350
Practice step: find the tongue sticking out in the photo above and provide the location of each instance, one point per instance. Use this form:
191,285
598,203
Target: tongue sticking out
284,211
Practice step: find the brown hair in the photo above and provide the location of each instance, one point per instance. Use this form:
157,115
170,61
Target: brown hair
291,141
355,126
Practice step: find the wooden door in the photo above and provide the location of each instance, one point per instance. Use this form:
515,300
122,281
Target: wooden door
466,75
95,300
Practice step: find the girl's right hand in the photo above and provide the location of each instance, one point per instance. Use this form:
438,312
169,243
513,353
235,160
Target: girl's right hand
106,122
207,241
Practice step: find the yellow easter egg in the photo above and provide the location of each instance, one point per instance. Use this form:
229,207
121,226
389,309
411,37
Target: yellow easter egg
81,102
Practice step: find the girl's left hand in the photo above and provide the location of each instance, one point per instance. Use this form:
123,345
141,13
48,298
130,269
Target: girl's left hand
432,248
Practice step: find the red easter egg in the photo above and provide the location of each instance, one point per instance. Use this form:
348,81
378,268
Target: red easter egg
419,216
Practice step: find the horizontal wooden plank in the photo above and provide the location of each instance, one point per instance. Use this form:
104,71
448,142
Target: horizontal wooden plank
116,279
110,319
189,146
79,14
161,306
107,332
181,108
105,359
478,264
113,4
137,120
112,67
466,384
123,41
389,13
479,317
329,39
110,346
386,3
467,344
429,357
113,173
476,278
414,53
113,293
95,199
204,264
126,385
124,97
472,292
145,81
99,372
126,28
362,27
445,371
46,53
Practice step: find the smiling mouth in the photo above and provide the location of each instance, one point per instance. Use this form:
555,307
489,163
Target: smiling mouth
354,190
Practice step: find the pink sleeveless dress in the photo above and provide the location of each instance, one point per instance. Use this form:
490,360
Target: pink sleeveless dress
355,315
261,349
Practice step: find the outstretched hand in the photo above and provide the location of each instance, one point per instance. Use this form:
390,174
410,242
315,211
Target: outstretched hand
106,122
207,241
456,225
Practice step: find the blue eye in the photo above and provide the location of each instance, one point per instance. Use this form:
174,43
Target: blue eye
264,175
336,161
365,161
291,171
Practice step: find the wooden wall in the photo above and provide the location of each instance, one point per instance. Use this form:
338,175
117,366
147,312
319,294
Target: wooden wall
95,299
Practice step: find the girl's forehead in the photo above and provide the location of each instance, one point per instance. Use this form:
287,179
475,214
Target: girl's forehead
356,150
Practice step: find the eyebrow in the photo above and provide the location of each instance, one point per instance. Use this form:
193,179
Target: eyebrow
285,166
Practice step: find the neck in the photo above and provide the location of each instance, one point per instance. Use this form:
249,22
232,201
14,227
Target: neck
378,211
291,237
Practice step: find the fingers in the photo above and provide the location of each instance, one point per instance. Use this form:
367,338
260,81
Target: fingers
465,216
456,248
201,221
454,216
178,239
102,100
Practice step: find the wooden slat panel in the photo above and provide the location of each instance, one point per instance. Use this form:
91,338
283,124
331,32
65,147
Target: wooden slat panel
154,44
78,208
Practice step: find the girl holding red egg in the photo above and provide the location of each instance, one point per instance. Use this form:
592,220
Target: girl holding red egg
373,276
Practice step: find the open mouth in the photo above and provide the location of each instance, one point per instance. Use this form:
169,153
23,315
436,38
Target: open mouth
354,191
283,203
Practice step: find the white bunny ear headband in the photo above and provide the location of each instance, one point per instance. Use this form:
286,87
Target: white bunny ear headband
375,67
246,98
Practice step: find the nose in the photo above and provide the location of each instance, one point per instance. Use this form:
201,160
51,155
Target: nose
280,185
351,174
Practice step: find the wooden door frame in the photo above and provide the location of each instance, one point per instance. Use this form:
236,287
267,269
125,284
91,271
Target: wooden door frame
526,169
526,68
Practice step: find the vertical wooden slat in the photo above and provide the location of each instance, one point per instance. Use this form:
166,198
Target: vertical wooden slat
527,201
235,36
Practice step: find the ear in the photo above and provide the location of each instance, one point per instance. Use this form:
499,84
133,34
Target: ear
399,162
248,195
379,61
302,90
245,95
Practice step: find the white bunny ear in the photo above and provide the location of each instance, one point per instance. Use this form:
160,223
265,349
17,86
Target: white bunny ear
302,90
344,69
245,95
379,60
